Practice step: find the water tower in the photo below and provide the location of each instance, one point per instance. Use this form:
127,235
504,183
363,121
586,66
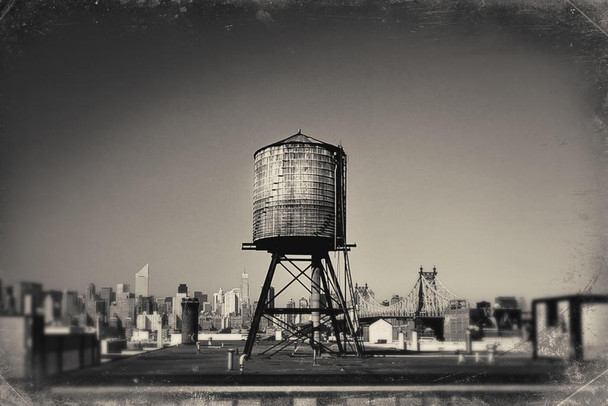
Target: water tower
299,217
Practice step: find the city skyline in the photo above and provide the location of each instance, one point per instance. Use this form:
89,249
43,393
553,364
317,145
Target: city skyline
105,292
388,297
476,154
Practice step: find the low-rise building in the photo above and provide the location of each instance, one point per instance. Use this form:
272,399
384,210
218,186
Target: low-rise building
380,331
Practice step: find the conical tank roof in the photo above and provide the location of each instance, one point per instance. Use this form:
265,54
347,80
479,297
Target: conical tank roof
298,138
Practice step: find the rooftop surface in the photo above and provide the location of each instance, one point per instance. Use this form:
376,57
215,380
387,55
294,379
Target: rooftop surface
179,374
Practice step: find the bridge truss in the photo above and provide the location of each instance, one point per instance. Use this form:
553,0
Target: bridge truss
428,298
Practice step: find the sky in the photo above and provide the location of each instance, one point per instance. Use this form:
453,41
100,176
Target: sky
472,153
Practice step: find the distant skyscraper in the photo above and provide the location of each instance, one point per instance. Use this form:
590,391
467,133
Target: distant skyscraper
395,299
177,301
142,282
202,297
28,297
232,300
164,305
90,304
105,293
125,308
69,305
90,294
245,288
218,301
175,321
291,317
121,289
144,304
52,306
271,297
303,318
182,288
161,306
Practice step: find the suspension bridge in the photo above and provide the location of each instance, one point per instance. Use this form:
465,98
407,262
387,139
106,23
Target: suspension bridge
428,298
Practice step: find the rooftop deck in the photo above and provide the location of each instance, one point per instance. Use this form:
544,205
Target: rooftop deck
181,374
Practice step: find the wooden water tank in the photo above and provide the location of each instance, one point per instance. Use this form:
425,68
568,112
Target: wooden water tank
299,193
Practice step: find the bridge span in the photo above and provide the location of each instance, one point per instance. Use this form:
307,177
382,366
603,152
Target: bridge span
429,298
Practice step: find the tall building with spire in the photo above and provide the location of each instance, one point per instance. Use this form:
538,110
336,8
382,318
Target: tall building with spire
142,282
245,288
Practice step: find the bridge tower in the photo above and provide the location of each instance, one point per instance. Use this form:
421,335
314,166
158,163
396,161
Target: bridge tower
428,300
299,217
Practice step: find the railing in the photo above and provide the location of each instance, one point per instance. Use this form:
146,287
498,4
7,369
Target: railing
67,352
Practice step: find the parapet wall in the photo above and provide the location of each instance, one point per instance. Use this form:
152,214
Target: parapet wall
26,352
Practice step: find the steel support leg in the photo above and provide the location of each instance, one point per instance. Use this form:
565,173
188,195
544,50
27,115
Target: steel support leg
259,311
334,321
315,300
342,301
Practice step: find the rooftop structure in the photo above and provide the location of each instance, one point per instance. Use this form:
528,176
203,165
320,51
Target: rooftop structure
299,208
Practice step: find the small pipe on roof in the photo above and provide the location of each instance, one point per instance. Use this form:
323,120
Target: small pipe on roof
242,360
